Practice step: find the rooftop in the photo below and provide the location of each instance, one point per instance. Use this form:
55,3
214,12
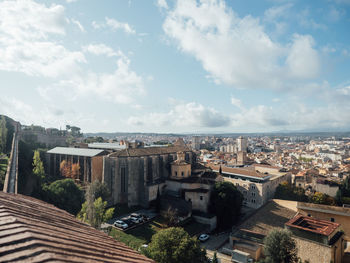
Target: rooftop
246,172
323,227
76,151
34,231
273,214
139,152
345,211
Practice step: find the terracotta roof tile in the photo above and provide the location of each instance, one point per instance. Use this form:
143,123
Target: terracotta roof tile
34,231
138,152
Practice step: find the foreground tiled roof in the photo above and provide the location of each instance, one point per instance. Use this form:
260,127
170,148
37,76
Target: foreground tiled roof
34,231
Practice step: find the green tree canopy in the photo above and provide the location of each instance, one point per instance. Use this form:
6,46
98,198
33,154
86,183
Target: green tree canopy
286,191
97,189
94,210
101,214
65,194
279,247
174,245
225,203
38,167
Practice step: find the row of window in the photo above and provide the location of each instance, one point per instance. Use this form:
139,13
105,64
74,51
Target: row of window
182,173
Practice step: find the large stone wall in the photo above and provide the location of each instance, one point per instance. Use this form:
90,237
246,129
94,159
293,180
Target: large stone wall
141,174
317,253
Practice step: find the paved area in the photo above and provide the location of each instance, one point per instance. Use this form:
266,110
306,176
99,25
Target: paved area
215,241
149,213
222,258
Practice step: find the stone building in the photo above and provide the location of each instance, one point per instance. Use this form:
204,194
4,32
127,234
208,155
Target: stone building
330,213
133,176
317,240
257,183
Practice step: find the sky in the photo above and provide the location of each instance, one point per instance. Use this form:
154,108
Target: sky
174,66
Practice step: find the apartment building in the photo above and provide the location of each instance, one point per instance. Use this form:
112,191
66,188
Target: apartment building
256,183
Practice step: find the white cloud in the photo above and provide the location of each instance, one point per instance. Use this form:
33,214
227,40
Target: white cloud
183,115
236,102
303,60
275,12
162,4
79,25
234,50
114,25
25,28
100,49
122,86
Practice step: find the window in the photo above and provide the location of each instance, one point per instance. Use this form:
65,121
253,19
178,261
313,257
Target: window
201,197
253,201
253,194
182,174
244,192
189,199
123,180
332,219
175,173
309,215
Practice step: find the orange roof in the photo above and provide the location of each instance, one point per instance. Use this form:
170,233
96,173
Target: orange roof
34,231
318,226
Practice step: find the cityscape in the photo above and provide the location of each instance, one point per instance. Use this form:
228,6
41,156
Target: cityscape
175,131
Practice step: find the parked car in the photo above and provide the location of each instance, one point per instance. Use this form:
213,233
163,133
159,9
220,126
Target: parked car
136,220
121,224
203,237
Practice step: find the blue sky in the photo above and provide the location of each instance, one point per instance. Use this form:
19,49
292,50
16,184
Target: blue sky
176,66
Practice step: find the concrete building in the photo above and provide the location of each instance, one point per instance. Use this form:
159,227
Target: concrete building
242,144
196,143
89,160
255,183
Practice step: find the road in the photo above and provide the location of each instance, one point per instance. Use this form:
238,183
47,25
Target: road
214,243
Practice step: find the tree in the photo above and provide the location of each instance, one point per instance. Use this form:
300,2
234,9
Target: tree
225,203
318,198
280,247
97,189
3,134
75,171
101,214
65,194
286,191
174,245
94,210
171,217
220,170
65,169
38,167
215,258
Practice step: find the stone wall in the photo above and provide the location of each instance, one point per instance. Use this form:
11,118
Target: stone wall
317,253
211,221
